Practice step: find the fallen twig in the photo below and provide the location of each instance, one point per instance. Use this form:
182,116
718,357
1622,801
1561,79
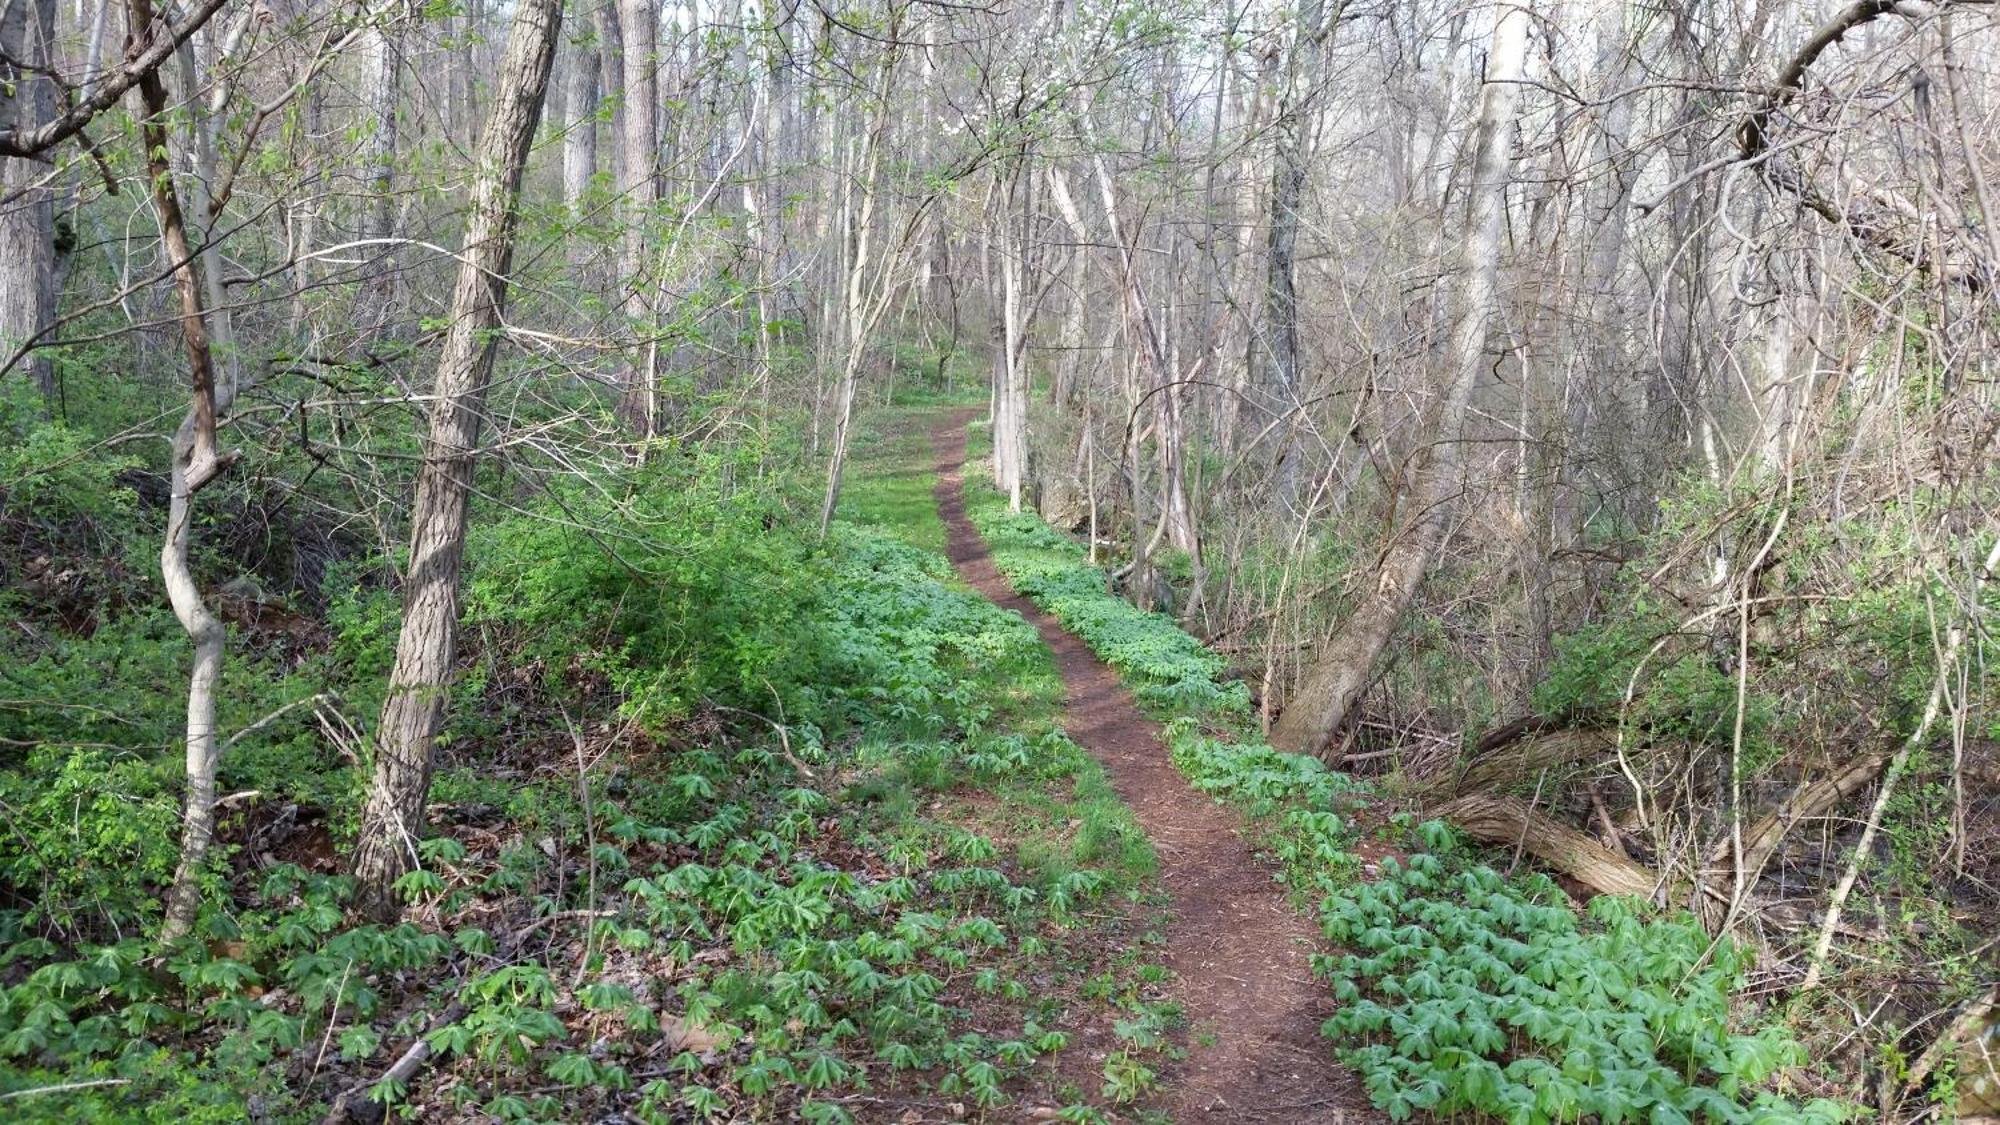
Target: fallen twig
353,1103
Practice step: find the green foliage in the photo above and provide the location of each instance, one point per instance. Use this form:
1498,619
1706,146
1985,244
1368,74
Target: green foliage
1594,668
93,792
826,929
821,964
895,493
677,585
52,476
92,832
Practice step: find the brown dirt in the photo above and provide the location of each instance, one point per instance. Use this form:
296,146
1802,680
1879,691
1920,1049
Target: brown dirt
1240,953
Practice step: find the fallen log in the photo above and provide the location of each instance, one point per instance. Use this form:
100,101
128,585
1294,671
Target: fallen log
1524,726
1807,802
1512,823
1965,1030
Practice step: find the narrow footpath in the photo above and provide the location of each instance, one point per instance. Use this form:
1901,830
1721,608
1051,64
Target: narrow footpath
1240,952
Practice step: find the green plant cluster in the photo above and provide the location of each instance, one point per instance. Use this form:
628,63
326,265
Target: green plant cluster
1465,992
1470,993
92,790
682,585
53,480
1302,809
114,1021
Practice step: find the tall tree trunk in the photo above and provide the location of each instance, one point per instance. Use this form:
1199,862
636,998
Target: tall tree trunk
864,298
381,47
27,224
1010,404
1068,384
464,71
1348,662
1157,389
427,645
638,184
380,52
611,72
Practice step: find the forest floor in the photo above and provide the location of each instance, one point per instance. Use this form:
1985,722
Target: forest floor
1240,952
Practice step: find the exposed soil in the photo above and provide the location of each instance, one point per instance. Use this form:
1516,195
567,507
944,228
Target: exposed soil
1240,952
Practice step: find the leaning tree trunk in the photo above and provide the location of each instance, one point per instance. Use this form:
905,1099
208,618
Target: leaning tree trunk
393,817
1322,705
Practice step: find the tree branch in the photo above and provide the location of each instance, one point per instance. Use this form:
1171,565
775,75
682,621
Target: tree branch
31,143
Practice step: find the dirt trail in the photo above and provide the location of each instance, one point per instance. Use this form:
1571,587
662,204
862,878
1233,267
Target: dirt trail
1240,951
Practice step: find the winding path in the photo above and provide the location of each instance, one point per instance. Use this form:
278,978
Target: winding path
1240,952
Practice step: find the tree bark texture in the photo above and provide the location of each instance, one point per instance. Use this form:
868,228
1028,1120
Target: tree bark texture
638,186
580,137
1280,328
427,645
1510,823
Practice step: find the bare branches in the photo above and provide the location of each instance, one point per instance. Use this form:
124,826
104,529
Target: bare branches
148,50
1754,146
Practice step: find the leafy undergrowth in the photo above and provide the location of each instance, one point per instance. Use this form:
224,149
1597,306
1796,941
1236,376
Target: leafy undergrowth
900,890
1462,992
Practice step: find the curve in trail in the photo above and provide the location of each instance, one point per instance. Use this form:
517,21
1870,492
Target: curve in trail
1241,953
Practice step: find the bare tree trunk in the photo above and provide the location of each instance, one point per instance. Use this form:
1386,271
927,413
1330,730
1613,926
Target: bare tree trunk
196,464
611,71
1010,403
380,48
1331,689
464,64
1066,388
427,644
580,139
861,306
380,51
1288,181
27,224
1158,390
638,185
